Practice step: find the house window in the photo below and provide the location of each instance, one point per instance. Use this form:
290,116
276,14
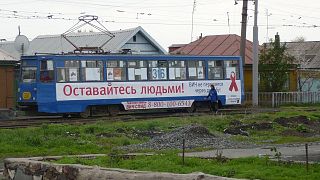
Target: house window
134,38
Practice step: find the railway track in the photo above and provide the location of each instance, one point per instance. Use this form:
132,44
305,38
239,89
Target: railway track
37,121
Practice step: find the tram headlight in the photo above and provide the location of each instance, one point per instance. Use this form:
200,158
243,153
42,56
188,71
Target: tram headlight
26,95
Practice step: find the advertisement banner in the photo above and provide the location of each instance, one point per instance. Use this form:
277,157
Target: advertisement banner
150,89
156,104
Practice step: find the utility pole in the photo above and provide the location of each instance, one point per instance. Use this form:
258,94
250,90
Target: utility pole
193,9
243,31
255,91
267,14
255,73
228,21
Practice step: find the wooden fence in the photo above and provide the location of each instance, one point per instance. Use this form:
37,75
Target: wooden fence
275,99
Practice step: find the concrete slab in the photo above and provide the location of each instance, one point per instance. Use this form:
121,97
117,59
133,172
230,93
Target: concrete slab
37,168
287,152
1,169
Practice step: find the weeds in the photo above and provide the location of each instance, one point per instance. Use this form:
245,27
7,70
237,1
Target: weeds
277,154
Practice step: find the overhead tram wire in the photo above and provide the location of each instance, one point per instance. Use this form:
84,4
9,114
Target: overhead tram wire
117,6
156,23
19,15
103,5
152,7
35,13
289,12
293,7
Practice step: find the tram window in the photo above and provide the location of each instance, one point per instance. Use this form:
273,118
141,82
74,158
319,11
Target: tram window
61,75
157,70
231,69
137,70
116,71
215,70
69,73
196,70
91,70
177,70
71,63
28,74
46,71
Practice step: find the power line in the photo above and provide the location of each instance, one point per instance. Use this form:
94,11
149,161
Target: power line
116,6
8,16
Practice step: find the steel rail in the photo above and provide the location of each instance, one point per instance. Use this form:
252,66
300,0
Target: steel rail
38,121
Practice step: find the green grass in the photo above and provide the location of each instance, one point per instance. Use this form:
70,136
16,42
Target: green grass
251,168
104,136
75,139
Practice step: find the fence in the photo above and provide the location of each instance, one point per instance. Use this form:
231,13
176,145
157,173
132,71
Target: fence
276,99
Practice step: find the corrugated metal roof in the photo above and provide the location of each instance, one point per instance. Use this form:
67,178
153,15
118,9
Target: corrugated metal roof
4,56
217,45
307,53
56,44
8,47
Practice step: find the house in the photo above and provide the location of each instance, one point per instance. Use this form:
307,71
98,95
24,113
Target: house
8,66
307,57
226,45
135,40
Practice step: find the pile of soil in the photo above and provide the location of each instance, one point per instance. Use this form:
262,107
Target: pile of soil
238,128
194,136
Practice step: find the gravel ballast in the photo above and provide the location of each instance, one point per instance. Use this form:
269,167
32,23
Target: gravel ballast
195,136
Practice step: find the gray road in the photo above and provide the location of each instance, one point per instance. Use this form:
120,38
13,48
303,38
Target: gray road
1,168
288,152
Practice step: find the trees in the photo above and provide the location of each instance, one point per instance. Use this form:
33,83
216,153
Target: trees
274,65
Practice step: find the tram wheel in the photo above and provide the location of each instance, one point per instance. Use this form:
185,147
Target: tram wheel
86,113
191,109
113,110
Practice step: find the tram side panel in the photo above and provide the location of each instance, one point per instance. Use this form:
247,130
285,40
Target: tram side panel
74,97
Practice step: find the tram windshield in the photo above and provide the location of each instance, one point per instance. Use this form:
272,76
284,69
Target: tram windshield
28,74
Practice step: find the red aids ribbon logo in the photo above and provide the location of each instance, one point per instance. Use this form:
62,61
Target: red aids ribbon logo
233,84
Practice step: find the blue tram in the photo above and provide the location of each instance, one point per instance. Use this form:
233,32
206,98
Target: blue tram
68,84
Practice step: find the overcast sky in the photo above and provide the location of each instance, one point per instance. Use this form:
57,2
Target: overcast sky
167,21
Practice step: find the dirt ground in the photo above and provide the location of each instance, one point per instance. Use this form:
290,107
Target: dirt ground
299,126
